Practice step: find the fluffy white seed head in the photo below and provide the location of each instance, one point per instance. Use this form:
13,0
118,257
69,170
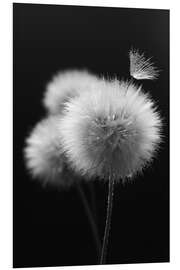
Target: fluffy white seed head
43,154
113,129
142,68
66,85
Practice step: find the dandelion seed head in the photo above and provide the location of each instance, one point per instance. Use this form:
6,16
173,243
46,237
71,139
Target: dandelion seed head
113,129
44,156
142,68
64,86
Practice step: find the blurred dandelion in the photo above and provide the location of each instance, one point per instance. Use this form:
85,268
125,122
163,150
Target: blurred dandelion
44,155
46,161
142,68
64,86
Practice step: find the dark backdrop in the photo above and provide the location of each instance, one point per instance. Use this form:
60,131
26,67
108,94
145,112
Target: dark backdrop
50,226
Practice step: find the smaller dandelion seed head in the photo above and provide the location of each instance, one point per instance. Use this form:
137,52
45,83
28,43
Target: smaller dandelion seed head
113,129
64,86
142,68
44,156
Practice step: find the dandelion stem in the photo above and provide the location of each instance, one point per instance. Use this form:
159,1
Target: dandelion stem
93,200
108,220
90,218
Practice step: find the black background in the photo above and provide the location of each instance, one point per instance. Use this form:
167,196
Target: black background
50,226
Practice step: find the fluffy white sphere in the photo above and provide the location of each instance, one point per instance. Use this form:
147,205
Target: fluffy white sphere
43,153
66,85
112,129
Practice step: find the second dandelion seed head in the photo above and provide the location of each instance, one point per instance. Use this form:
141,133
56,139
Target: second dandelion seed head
44,156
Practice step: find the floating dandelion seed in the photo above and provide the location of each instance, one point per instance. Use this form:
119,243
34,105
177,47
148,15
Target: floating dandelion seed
66,85
44,156
112,130
142,68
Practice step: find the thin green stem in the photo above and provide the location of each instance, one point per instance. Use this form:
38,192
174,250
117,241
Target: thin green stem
108,220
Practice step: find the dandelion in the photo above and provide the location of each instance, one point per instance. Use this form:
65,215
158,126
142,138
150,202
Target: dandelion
113,129
46,161
64,86
111,132
44,155
142,68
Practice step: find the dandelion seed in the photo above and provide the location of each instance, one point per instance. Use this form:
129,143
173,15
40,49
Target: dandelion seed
44,156
113,129
142,68
64,86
